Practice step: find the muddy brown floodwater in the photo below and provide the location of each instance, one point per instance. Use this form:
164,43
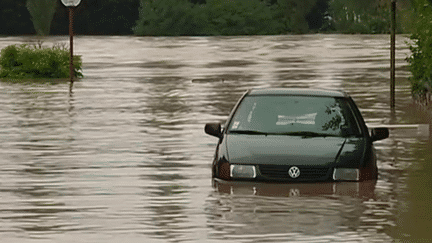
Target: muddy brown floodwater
123,156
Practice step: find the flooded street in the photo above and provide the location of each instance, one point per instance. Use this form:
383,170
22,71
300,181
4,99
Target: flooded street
121,156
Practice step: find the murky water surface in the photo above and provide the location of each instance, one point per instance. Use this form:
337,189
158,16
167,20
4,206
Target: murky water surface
123,156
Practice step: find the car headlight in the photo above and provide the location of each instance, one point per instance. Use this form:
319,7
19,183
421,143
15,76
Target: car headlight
242,171
346,174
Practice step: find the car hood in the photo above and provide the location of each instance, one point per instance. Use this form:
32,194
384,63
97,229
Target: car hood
282,150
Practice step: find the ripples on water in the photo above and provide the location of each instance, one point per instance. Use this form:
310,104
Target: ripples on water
123,157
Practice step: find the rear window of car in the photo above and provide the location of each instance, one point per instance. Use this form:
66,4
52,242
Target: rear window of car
285,114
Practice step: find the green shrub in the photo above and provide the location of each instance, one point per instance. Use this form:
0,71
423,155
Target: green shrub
26,61
420,60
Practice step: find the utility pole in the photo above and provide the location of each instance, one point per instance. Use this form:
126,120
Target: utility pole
71,67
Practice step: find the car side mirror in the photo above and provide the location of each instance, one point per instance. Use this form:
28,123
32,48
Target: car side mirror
379,133
214,129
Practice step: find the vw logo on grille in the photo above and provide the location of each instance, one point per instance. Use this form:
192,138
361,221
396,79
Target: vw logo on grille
294,172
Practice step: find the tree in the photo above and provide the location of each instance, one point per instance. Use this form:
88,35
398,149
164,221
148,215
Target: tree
216,17
42,12
420,61
316,16
360,17
239,17
164,17
295,12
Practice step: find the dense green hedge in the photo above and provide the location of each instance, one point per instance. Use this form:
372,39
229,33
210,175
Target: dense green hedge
32,61
420,60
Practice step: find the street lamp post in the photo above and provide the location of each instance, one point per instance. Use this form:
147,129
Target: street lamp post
71,4
392,53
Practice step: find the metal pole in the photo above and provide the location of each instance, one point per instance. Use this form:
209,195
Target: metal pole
430,131
71,67
392,54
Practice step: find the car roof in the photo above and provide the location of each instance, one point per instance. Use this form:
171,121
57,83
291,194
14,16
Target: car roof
298,91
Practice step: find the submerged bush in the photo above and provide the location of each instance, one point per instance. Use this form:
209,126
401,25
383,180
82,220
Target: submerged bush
26,61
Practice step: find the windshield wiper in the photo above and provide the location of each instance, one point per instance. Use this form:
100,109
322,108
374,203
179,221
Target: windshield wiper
307,134
303,134
252,132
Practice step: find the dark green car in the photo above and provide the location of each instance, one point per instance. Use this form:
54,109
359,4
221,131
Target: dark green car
295,135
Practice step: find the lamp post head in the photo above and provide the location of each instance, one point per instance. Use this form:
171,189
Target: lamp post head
71,3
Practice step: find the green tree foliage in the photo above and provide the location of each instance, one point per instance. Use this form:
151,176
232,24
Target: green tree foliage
239,17
317,15
420,61
25,61
42,12
295,13
165,17
216,17
211,17
366,16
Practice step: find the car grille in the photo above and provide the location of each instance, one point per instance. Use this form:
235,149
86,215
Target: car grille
280,172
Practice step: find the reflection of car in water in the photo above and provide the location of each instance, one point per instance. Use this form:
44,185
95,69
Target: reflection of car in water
295,135
305,212
363,190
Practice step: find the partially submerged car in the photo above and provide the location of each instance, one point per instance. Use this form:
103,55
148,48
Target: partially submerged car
295,135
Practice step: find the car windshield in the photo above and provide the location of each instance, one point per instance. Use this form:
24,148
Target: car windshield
294,115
